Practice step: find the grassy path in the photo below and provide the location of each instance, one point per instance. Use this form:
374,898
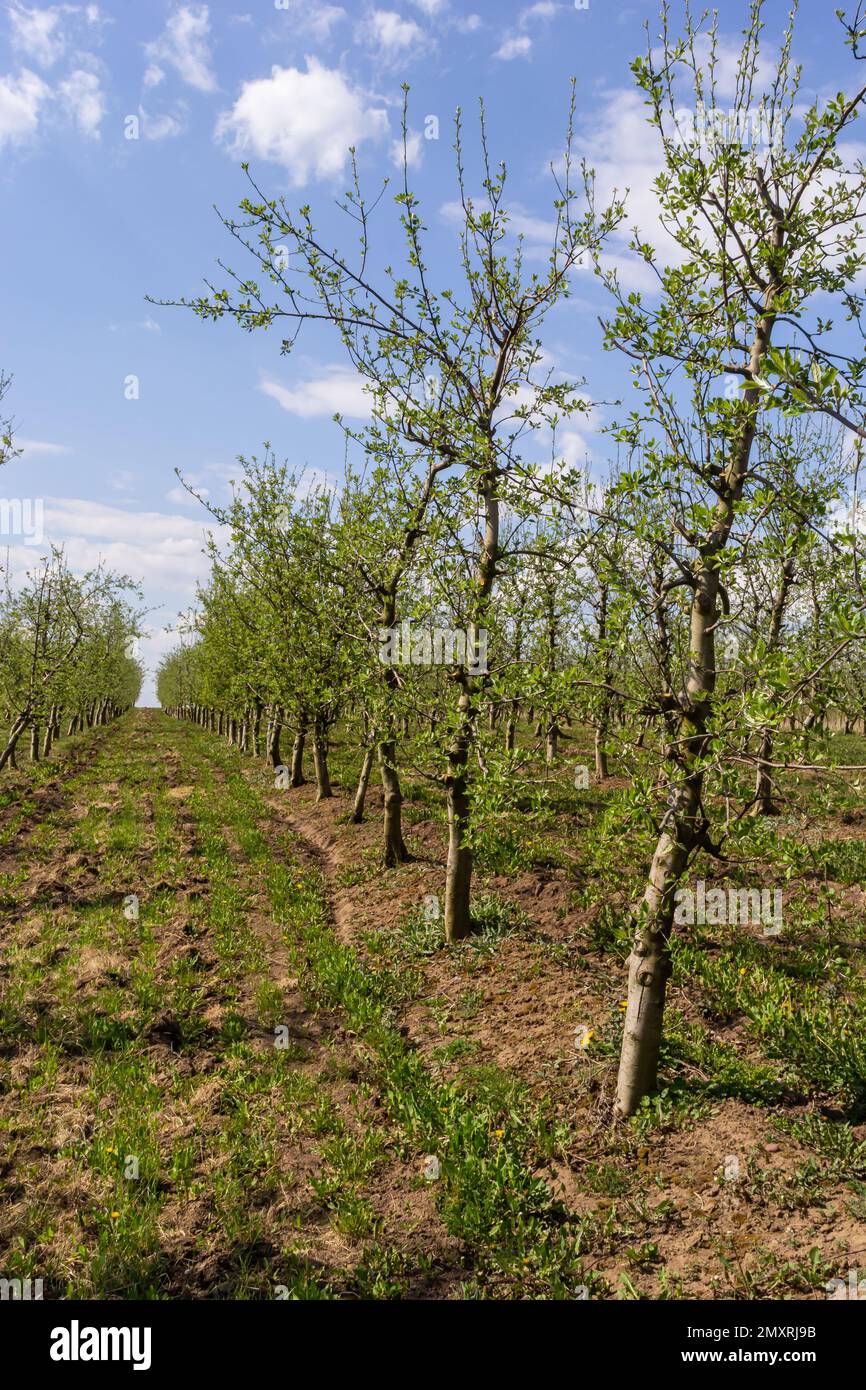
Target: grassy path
203,1093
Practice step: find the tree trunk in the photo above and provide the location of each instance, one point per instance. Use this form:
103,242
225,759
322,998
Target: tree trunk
552,743
8,754
763,804
649,962
297,778
601,769
274,755
363,782
458,873
394,849
320,763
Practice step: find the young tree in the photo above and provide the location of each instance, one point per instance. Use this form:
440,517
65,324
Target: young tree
444,367
763,228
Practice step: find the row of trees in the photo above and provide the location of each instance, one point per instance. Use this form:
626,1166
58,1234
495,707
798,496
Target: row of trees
67,658
702,598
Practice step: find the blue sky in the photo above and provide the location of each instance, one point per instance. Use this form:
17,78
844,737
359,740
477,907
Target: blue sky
94,220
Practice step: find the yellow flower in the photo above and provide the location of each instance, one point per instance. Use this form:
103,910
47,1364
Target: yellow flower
498,1133
115,1215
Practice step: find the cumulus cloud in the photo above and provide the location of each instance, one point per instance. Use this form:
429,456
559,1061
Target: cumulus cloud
313,18
414,150
29,447
184,46
626,153
338,390
517,46
21,99
164,127
44,35
82,98
391,34
163,551
727,65
305,121
180,497
37,33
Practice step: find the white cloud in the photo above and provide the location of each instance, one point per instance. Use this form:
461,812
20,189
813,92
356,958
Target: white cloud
573,448
392,34
468,24
180,497
81,95
20,100
153,546
319,20
728,57
164,551
163,127
626,153
430,7
521,223
632,271
337,390
37,33
44,34
518,46
305,121
183,45
544,9
414,150
40,446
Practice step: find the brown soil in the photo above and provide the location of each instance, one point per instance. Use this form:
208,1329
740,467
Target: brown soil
521,1007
